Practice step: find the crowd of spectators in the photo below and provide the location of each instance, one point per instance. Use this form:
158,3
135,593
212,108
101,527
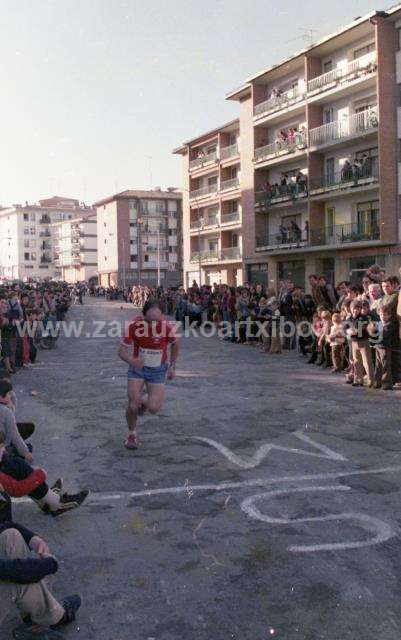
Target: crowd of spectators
26,560
349,328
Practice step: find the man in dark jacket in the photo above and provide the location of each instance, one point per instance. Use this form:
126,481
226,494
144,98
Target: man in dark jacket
25,562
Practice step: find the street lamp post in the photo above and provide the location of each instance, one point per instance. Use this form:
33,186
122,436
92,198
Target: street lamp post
158,257
200,227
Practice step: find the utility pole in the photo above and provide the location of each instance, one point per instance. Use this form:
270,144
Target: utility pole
158,257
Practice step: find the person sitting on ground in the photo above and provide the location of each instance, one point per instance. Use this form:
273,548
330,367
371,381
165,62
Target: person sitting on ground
54,501
23,583
15,443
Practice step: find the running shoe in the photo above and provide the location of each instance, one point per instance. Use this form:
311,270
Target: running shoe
68,502
71,605
58,486
131,442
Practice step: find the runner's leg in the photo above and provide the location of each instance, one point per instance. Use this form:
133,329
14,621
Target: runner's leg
135,388
156,393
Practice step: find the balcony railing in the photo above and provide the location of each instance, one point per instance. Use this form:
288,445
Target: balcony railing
278,103
45,219
348,178
209,221
281,193
359,123
229,253
281,147
361,66
345,233
226,218
204,191
229,184
287,239
204,256
44,234
203,159
229,152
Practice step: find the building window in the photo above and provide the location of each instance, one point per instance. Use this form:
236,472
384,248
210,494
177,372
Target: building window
133,258
105,241
33,256
327,66
257,273
26,256
362,51
146,259
26,244
368,217
26,231
26,217
398,39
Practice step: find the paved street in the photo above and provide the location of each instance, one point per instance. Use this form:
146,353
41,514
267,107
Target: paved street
204,559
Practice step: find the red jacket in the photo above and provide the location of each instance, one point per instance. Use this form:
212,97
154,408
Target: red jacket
20,488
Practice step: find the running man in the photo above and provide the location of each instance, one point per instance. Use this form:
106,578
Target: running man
150,335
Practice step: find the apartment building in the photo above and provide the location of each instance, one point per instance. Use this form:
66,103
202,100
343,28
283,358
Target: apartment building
212,219
320,157
27,237
75,248
140,238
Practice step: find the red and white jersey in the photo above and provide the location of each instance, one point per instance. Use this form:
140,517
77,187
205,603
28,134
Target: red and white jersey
150,340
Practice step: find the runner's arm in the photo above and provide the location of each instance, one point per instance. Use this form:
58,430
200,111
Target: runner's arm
124,352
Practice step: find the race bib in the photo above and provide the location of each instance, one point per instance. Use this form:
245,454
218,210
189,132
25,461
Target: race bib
151,357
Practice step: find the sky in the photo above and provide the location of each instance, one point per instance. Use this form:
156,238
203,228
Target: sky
95,94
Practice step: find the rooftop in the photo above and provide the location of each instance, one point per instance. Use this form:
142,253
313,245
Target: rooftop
172,194
228,126
344,32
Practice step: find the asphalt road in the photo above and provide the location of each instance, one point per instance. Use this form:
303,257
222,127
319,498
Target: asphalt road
223,538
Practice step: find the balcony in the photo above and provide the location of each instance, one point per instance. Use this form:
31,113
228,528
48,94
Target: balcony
231,253
360,67
209,221
229,152
285,100
227,254
281,148
225,185
204,191
230,218
281,193
202,160
345,233
45,259
334,235
45,219
354,126
347,179
285,240
204,256
44,234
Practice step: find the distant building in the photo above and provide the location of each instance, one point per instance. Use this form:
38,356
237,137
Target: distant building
27,236
140,238
75,249
212,207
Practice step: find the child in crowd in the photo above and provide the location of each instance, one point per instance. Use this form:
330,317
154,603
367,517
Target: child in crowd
337,342
324,348
361,351
275,340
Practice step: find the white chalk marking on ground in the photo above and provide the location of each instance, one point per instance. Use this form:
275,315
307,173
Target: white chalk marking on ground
381,530
264,450
257,482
